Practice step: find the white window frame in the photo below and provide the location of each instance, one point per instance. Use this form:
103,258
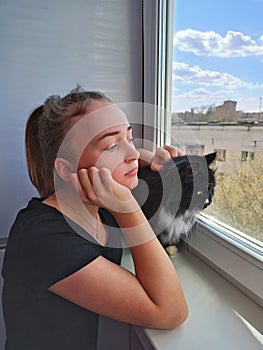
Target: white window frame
229,252
157,72
238,259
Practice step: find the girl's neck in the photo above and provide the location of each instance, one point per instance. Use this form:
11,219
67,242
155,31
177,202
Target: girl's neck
84,214
61,198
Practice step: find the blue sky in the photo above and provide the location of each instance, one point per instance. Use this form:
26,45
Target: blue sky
217,54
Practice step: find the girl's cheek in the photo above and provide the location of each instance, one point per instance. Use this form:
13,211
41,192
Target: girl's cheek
109,160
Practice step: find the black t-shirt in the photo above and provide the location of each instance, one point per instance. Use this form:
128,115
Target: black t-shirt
43,249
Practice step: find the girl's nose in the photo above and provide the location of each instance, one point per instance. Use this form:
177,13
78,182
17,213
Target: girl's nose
131,152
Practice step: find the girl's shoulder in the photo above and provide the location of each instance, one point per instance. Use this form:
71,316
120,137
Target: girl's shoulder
38,222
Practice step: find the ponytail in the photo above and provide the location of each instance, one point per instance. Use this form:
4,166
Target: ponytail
32,146
45,130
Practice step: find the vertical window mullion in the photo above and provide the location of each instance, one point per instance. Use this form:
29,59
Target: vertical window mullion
158,65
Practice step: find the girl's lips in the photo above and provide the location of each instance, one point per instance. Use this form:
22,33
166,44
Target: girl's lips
133,172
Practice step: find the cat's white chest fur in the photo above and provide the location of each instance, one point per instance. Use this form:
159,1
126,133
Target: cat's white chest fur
176,226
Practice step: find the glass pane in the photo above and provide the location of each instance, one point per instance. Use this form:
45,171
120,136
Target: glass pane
217,102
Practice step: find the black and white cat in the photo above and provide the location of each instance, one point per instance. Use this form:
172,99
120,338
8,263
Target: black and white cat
171,198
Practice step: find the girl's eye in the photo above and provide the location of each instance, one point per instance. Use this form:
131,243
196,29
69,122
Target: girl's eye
112,148
115,147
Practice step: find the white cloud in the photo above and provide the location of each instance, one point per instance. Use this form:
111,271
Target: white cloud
198,98
186,74
260,40
234,44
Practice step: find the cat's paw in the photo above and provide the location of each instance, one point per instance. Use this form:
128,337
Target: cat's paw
171,250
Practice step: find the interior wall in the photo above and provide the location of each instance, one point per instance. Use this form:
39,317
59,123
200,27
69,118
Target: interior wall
47,48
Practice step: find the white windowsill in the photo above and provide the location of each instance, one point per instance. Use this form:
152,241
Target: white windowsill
220,315
237,259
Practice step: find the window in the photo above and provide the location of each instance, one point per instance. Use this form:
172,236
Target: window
168,78
217,85
221,154
246,156
216,104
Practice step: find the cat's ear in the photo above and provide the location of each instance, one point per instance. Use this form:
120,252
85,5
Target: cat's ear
210,157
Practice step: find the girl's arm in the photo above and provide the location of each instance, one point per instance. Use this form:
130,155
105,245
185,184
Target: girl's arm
153,297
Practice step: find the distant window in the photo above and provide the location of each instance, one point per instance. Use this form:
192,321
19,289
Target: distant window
247,156
221,155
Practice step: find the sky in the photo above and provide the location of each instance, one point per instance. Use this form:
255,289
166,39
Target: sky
217,54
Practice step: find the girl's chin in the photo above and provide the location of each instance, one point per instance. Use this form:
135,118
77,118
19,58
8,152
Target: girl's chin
131,184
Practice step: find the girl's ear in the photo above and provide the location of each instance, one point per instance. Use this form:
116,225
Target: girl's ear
64,168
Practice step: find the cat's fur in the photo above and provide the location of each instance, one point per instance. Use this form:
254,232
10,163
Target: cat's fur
171,198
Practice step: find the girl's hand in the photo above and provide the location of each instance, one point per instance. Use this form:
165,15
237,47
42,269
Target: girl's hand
162,155
97,187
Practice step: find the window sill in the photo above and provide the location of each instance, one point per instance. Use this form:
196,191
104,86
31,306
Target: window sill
230,254
220,315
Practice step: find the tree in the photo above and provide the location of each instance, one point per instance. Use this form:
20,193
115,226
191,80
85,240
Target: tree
238,199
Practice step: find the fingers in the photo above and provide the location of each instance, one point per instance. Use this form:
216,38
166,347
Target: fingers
97,187
74,180
111,194
82,182
174,152
104,178
91,184
162,155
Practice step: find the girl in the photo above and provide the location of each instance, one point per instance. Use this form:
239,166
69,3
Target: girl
62,262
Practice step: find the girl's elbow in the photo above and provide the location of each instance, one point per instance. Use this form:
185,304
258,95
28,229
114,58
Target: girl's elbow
178,319
172,318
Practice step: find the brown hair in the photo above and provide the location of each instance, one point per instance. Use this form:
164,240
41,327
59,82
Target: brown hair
45,130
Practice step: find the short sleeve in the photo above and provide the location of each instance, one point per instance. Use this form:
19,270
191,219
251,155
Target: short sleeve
51,252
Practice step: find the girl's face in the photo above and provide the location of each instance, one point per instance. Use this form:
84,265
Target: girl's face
110,143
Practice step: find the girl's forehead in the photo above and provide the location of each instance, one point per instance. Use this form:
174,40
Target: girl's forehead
121,127
102,118
106,115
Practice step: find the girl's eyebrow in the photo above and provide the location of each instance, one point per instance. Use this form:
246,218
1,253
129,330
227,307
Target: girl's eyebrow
113,133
